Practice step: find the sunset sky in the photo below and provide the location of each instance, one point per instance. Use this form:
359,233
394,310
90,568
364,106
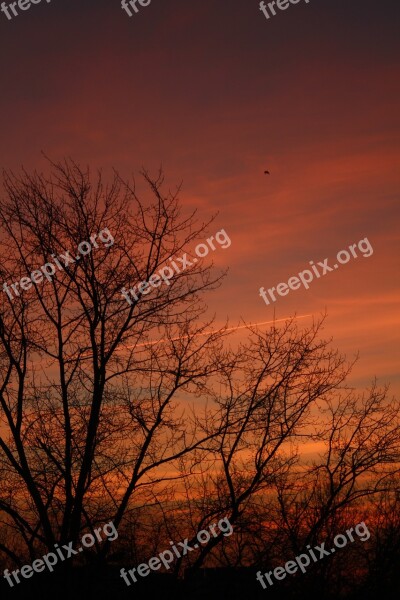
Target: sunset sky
217,94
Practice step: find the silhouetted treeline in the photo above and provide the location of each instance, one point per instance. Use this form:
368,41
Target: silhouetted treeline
145,414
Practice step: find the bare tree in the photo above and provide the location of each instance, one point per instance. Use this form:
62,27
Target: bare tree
88,409
265,396
282,389
139,412
361,440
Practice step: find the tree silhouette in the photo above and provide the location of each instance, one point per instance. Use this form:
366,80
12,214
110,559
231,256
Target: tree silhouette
143,414
87,406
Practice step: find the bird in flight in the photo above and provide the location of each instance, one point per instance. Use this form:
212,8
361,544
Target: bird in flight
266,173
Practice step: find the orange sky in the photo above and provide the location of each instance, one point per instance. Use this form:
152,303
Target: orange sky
217,94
